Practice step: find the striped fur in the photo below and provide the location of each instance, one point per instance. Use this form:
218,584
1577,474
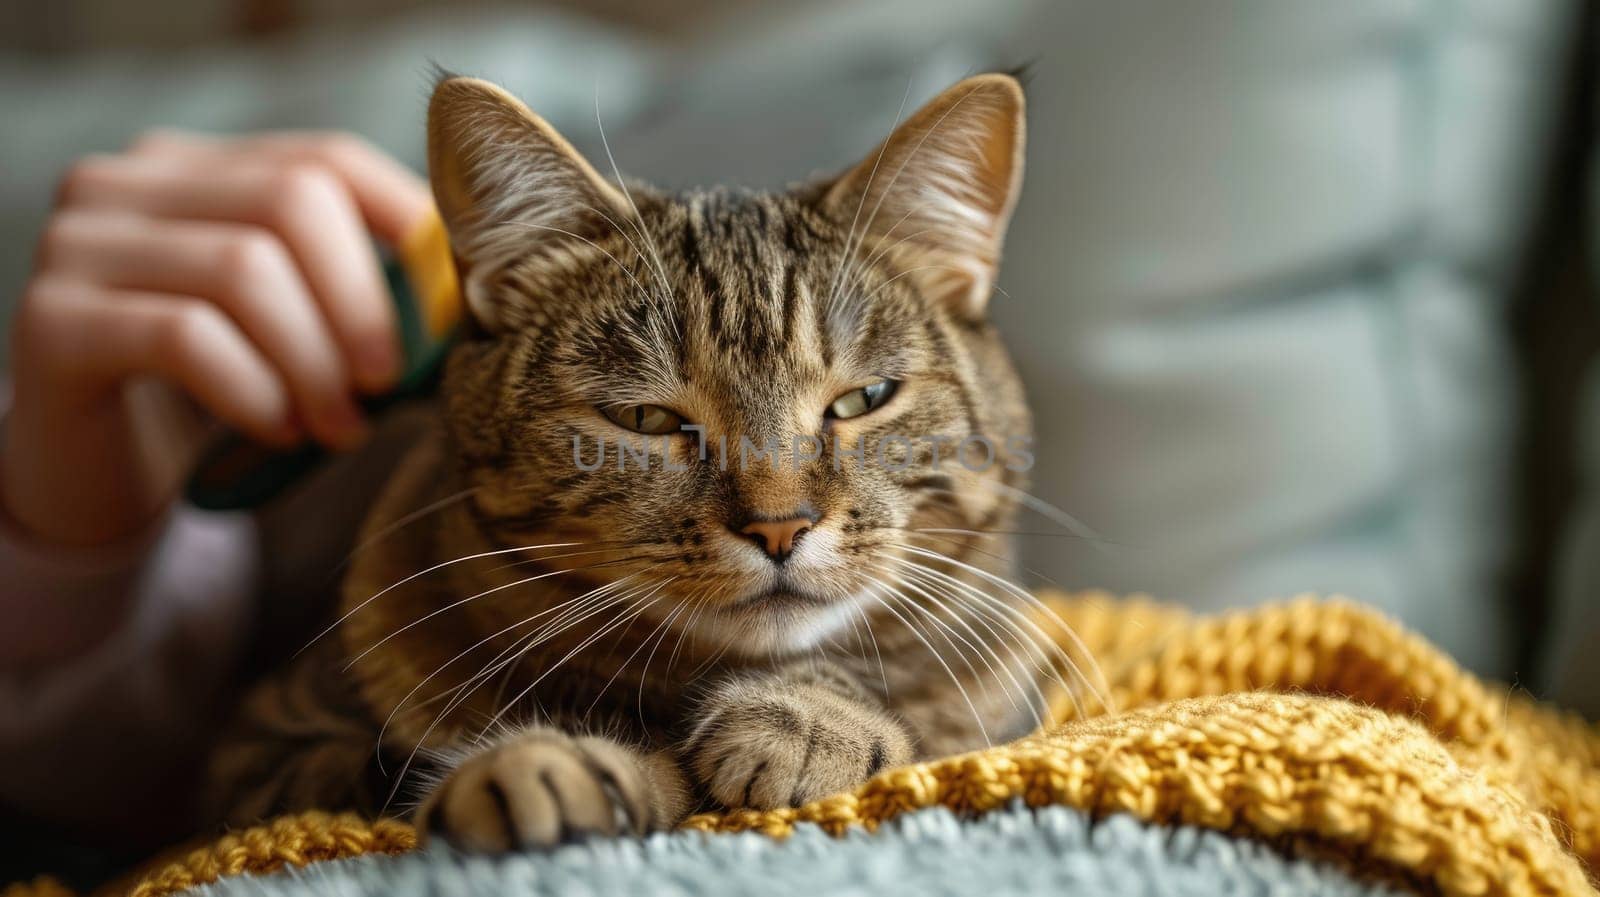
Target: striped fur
599,650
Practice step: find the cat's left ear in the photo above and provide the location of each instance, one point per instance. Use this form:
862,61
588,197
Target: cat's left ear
508,187
941,189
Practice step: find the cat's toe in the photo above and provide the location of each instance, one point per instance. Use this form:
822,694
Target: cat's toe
761,775
535,791
780,753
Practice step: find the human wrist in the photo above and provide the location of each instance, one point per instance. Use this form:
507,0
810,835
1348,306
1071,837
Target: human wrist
73,479
60,601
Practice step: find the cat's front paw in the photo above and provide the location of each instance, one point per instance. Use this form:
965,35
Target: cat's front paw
771,744
536,789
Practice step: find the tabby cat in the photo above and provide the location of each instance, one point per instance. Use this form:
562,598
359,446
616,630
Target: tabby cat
610,612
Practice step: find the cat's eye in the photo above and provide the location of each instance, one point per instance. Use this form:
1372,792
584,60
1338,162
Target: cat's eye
652,420
857,402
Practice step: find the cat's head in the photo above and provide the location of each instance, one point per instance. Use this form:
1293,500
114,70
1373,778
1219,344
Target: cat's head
840,323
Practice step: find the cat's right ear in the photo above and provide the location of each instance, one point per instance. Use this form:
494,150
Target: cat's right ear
938,193
508,187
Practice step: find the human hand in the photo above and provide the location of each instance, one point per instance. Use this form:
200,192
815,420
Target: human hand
235,271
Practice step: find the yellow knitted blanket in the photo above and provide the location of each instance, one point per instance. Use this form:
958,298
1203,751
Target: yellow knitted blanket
1321,726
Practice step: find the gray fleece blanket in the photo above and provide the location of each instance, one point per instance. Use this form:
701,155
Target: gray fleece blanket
1016,851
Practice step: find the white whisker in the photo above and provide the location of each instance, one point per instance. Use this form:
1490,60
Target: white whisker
1099,690
405,521
983,615
601,249
485,593
1039,638
643,232
601,633
916,632
866,228
464,692
982,652
485,640
421,573
850,236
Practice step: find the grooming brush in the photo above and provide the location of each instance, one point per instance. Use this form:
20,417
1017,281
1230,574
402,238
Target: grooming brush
236,473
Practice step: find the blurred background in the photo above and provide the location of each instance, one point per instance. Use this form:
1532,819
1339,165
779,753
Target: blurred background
1301,290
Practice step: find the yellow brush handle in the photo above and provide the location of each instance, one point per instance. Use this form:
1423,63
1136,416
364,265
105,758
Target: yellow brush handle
431,270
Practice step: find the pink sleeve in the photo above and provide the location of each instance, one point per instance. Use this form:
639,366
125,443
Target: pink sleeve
118,665
111,661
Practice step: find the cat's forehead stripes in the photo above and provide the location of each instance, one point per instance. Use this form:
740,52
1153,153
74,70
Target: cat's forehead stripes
739,273
769,282
754,296
729,280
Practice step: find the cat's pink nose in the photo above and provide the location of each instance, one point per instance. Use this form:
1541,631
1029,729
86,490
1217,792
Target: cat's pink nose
777,537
